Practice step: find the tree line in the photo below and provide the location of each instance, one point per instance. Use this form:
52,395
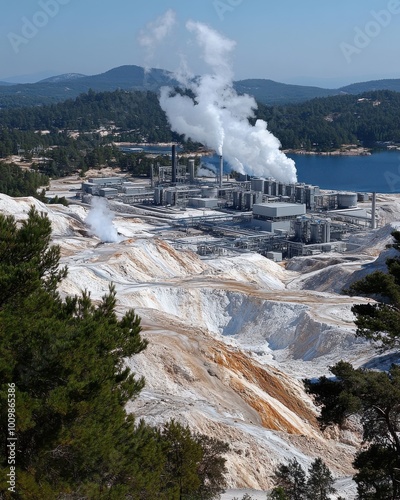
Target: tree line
17,182
64,359
371,395
321,124
324,124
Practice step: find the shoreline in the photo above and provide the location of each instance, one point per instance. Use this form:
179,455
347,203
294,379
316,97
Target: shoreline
345,151
336,152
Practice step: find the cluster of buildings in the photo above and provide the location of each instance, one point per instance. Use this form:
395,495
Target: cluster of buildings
264,215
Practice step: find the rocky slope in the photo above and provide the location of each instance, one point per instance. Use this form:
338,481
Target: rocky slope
229,338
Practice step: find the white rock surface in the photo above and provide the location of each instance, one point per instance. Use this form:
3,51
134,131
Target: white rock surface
229,338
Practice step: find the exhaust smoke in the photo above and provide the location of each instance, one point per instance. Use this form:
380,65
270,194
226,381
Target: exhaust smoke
100,220
215,115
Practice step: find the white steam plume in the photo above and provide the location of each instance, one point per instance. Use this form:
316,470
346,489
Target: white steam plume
207,170
218,116
100,221
155,32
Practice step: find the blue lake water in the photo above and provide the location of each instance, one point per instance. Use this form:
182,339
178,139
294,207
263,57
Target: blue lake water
378,172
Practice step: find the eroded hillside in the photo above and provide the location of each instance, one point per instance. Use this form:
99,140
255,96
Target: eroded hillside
229,338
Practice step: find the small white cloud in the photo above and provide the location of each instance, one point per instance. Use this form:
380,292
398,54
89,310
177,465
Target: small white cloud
155,32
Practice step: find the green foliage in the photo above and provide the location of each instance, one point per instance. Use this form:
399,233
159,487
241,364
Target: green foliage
183,456
292,482
194,467
380,322
58,200
321,125
326,123
17,182
378,475
371,395
137,112
71,141
67,361
278,493
291,478
320,481
375,397
211,469
27,262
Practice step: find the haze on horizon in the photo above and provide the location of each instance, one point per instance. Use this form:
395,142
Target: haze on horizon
311,42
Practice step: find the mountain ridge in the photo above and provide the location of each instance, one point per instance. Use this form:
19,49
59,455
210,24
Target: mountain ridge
62,78
132,77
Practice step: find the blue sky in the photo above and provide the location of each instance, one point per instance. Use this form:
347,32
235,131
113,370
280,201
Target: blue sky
321,42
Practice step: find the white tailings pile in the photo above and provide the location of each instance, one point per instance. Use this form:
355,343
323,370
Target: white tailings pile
229,338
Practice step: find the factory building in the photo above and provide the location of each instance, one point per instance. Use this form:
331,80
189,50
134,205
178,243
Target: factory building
273,217
96,185
108,192
311,230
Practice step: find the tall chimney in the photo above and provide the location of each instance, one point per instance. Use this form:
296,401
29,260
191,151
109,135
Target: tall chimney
191,171
173,180
373,211
221,170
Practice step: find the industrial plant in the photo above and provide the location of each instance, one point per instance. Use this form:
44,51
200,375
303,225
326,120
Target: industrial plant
246,214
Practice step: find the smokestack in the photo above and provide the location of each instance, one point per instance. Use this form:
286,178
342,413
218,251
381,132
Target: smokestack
152,175
221,170
326,231
191,171
173,180
373,211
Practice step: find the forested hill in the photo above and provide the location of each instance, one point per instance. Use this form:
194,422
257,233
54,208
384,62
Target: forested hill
68,134
58,89
321,124
131,77
327,123
126,110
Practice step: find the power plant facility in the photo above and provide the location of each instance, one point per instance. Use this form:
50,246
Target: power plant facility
264,215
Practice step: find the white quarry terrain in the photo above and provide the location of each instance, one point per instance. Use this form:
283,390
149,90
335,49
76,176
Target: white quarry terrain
230,338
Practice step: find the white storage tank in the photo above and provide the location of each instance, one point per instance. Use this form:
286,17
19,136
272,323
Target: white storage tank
158,195
347,199
257,185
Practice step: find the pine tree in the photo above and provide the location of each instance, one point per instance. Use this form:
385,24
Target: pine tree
211,469
375,397
371,395
194,466
278,493
183,457
380,322
67,361
291,477
320,481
